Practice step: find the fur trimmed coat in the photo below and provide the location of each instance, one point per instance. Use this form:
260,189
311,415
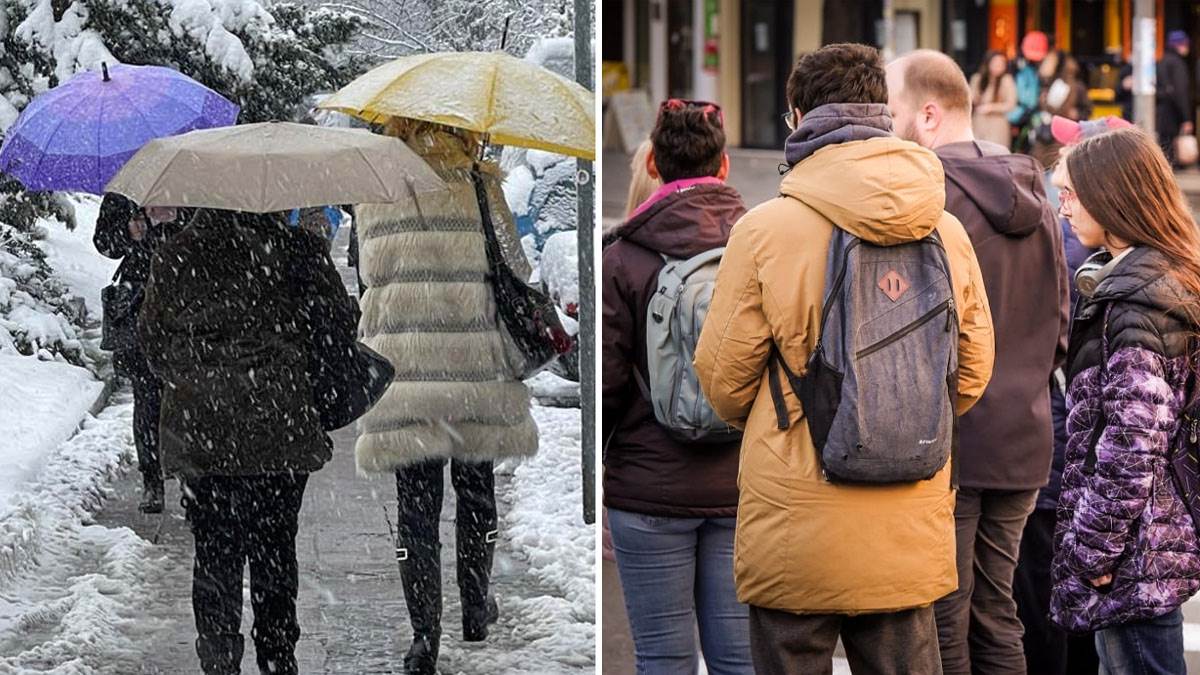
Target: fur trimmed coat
429,308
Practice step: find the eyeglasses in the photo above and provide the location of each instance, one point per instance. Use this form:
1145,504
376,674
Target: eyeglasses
707,107
789,118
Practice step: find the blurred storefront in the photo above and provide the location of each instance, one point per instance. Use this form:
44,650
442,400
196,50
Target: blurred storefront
1098,33
739,52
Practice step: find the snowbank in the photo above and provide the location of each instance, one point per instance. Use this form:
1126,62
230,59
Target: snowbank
79,584
41,404
546,526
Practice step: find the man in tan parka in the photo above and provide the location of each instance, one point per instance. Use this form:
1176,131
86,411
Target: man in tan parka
815,559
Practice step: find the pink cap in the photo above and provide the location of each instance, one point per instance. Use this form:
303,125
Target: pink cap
1070,132
1034,45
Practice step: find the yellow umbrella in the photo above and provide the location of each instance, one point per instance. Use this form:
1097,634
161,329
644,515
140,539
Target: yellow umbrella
514,101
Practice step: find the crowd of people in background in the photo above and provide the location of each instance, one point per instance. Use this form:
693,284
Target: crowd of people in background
956,355
1014,102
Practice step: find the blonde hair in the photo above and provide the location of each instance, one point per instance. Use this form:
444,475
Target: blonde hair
641,184
406,129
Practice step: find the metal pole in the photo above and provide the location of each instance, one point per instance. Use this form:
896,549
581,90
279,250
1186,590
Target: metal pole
1145,33
889,30
585,188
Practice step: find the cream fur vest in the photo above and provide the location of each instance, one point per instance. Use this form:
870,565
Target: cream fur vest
429,309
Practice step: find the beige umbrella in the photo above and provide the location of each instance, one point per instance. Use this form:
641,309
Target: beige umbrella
273,166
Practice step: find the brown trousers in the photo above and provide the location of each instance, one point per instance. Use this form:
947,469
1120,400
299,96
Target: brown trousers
977,625
896,643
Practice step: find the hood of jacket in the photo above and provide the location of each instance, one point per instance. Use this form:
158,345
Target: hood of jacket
883,190
1007,189
686,222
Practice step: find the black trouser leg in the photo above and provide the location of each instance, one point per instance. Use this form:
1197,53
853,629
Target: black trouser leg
475,525
217,574
147,397
274,575
418,550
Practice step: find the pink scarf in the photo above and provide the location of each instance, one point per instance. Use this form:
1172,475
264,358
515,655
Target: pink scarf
673,187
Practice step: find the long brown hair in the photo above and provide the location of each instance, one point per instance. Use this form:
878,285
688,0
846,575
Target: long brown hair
985,77
1123,180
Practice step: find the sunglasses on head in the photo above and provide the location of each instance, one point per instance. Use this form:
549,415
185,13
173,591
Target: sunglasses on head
706,107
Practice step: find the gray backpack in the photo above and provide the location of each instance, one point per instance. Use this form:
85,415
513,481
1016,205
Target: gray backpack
879,388
674,318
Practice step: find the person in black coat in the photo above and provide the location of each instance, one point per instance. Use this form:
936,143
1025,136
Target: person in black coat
1173,108
126,232
236,307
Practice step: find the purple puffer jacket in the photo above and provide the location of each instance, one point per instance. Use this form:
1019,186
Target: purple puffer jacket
1126,517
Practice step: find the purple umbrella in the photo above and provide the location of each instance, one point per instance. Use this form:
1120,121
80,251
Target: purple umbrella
76,136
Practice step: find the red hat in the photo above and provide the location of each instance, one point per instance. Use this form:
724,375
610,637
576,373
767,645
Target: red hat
1034,45
1070,132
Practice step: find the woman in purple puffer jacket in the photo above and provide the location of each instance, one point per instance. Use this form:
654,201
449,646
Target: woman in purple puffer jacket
1127,553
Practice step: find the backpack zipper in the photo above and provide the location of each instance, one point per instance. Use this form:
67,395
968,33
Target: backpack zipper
946,306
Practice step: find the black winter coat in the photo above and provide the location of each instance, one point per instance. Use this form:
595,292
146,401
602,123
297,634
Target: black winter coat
112,238
227,324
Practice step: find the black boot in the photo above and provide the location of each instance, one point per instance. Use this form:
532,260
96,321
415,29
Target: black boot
475,526
421,574
152,494
220,654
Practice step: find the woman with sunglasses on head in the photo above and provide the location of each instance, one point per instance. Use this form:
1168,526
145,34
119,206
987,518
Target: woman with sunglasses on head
672,504
1126,549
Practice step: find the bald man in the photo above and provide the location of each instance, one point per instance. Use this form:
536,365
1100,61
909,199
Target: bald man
1006,440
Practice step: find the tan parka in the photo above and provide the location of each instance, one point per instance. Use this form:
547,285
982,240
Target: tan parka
803,544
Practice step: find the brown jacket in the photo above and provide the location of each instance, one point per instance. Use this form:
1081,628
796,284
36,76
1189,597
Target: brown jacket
1006,441
645,470
805,545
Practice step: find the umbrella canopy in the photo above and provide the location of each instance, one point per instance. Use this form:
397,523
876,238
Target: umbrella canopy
516,102
273,166
77,135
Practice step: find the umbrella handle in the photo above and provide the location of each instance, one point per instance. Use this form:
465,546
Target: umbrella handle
504,37
104,67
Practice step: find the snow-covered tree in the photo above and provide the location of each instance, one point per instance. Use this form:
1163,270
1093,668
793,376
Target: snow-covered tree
269,61
399,27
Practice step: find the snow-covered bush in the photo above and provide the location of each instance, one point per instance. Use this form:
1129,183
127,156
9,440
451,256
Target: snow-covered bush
38,314
267,61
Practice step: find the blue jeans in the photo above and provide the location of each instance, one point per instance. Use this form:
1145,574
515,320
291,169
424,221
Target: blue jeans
1150,647
677,573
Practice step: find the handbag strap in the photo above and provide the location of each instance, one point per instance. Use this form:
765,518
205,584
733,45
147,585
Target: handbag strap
495,255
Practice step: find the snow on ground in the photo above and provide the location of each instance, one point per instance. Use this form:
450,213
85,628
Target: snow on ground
41,404
74,257
70,607
545,525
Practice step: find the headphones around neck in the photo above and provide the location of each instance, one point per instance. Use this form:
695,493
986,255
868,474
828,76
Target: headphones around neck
1095,269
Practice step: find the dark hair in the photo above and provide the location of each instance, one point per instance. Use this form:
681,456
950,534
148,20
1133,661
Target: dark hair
839,73
688,140
985,76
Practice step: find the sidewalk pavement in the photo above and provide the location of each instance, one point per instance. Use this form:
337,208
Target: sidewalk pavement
350,607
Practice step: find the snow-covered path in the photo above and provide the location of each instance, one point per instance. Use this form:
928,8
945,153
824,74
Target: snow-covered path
104,599
72,600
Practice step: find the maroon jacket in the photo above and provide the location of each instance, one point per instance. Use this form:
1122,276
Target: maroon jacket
645,470
1007,439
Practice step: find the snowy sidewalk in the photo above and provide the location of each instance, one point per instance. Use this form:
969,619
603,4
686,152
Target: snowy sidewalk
102,600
